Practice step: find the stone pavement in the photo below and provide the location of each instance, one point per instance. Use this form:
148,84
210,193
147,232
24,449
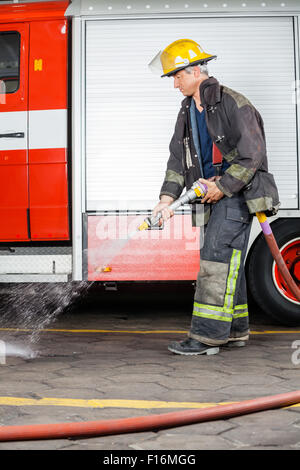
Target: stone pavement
136,366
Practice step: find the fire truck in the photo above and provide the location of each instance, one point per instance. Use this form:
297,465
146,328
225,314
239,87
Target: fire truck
85,128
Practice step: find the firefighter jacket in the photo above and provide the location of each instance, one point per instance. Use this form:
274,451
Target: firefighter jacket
237,129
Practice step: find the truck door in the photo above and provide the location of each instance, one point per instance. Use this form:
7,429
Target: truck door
14,198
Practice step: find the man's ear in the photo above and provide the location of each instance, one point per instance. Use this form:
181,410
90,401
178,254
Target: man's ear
197,71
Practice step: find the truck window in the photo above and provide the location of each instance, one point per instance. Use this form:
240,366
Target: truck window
9,61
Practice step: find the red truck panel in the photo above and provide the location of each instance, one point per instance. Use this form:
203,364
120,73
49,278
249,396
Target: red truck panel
14,161
34,179
33,11
48,65
169,254
49,195
14,202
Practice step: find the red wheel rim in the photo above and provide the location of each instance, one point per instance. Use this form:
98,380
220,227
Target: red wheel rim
291,255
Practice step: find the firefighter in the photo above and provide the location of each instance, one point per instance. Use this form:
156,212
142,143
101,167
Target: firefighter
213,114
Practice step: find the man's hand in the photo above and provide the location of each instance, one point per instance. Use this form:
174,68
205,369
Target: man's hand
213,194
162,207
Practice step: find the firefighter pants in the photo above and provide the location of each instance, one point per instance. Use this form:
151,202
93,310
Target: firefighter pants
220,312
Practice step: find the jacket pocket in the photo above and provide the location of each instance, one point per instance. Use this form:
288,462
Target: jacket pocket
233,230
238,215
261,194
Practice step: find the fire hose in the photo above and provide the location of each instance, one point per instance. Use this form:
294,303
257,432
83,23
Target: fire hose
198,190
174,419
146,423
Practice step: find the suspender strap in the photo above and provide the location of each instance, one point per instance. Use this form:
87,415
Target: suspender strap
217,159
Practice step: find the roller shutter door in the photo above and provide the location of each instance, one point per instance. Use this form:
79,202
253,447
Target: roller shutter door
131,113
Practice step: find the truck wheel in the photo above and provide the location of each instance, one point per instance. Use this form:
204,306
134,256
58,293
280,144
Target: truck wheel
265,282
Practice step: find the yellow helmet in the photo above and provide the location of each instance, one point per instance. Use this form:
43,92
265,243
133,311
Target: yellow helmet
179,55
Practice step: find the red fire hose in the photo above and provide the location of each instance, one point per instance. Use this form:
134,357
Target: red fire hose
272,244
146,423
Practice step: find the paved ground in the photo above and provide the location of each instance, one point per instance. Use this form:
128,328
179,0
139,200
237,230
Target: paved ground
112,349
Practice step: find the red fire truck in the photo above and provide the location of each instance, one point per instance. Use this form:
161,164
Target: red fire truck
85,128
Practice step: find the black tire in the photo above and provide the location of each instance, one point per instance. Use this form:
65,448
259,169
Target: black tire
260,279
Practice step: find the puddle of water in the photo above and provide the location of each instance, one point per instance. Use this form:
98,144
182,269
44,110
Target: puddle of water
18,350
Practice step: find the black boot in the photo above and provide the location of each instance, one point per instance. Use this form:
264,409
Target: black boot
192,347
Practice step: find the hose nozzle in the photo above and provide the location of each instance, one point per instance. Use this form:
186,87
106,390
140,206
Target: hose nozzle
143,226
198,190
151,223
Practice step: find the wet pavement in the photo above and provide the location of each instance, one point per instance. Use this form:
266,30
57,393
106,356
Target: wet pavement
107,358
